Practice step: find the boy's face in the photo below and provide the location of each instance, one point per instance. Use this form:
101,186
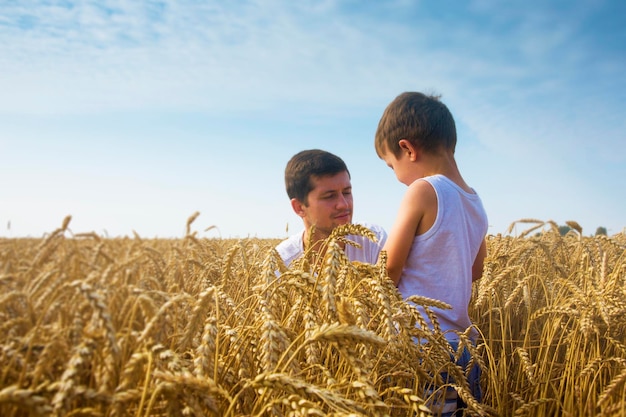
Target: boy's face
400,166
329,204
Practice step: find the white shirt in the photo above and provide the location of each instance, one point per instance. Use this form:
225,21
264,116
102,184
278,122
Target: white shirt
293,247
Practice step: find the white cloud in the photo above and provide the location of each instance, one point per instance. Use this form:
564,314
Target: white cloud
108,56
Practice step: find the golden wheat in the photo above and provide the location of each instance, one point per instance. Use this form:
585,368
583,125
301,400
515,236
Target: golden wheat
218,327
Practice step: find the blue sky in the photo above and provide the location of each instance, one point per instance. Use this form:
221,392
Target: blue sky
131,116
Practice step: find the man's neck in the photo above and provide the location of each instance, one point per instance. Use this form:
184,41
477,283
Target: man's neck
316,243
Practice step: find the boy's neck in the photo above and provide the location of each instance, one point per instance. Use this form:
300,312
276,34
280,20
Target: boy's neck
444,164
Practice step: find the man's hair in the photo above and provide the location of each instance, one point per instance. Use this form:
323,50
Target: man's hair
308,164
421,119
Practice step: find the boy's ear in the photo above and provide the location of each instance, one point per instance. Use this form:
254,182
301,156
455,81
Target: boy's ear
298,207
408,148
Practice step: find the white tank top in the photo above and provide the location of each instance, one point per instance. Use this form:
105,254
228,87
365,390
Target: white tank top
440,261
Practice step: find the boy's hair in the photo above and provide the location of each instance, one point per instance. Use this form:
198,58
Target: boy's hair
307,164
422,120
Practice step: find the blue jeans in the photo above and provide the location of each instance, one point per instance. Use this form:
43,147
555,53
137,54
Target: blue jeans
446,400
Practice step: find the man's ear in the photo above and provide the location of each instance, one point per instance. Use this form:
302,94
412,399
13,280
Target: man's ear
298,207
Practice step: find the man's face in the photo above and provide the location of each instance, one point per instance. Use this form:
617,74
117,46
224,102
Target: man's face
329,204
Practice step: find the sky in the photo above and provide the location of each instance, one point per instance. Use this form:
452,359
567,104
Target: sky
131,116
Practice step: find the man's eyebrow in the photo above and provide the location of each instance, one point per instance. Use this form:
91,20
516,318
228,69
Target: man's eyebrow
334,190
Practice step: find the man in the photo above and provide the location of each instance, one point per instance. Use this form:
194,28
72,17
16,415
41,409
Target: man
318,184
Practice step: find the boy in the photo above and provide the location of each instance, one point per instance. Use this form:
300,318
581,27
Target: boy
318,184
436,247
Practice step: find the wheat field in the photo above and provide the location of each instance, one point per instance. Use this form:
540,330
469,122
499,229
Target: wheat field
93,326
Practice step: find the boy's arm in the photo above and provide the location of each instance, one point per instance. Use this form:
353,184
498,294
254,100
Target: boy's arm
479,262
415,209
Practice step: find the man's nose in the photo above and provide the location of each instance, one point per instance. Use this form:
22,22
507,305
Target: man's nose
342,201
